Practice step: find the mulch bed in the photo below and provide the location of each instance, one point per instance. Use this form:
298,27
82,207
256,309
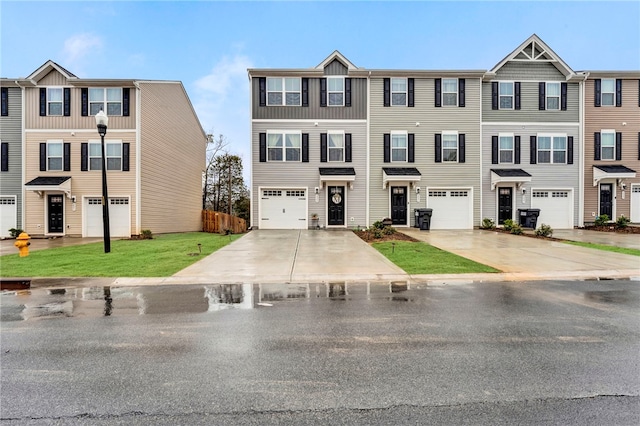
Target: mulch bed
611,228
397,236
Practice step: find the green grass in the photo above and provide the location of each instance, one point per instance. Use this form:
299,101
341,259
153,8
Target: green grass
422,258
623,250
162,256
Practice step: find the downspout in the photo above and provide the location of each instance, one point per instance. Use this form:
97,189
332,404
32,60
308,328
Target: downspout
368,136
138,158
252,192
481,165
581,169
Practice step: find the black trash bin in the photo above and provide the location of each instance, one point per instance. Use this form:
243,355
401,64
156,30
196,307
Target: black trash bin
424,216
528,218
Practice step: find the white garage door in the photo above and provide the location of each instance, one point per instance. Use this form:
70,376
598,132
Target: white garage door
283,209
452,208
119,217
556,207
635,203
8,215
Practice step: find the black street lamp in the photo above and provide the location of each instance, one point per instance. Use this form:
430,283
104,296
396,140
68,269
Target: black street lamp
101,121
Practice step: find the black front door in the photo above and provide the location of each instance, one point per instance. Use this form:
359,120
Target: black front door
56,214
505,204
606,199
399,205
336,205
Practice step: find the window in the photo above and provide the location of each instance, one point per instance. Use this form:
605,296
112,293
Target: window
398,147
335,146
608,93
284,146
552,149
450,91
54,155
399,91
284,91
505,148
108,100
553,96
607,145
335,91
113,156
506,95
54,101
450,147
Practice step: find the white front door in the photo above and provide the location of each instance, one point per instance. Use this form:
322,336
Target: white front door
283,208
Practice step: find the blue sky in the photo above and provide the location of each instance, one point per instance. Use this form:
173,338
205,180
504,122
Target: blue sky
208,45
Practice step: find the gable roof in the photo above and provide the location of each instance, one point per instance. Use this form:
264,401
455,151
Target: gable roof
337,56
46,68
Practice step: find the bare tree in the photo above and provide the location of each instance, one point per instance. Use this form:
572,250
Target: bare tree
215,147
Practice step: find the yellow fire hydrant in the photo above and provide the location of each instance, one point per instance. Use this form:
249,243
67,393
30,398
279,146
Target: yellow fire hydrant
22,242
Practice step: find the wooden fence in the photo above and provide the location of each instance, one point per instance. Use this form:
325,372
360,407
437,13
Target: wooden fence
217,222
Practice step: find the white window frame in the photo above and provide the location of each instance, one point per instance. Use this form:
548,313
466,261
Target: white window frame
552,148
612,92
340,149
283,90
50,102
400,91
449,135
611,147
283,135
511,96
335,93
449,92
105,104
55,157
108,155
502,150
549,97
399,149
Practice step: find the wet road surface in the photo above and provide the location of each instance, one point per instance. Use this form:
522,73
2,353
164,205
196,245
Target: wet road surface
319,353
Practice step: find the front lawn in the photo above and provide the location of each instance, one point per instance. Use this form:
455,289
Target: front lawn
623,250
162,256
422,258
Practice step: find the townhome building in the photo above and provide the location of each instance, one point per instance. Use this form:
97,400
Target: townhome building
11,160
531,138
612,145
155,153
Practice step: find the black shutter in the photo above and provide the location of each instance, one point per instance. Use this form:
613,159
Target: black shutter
262,88
533,150
596,146
66,160
411,147
84,157
516,90
618,146
347,147
263,147
494,95
43,157
126,148
541,96
323,92
516,149
438,92
305,147
5,101
438,148
638,145
126,100
461,92
387,92
596,92
347,92
84,101
5,157
494,150
410,89
387,147
618,92
305,92
563,96
43,102
570,150
323,147
461,148
67,101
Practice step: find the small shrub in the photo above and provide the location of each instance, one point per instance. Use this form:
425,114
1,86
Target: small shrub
509,224
622,222
516,229
388,230
602,220
146,234
544,231
14,232
488,223
377,224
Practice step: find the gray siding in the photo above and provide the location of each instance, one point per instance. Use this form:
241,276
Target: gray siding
336,68
523,71
11,132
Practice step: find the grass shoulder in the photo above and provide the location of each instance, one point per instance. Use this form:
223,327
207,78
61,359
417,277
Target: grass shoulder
604,247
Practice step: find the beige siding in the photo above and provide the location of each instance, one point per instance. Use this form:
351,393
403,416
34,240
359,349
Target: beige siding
173,158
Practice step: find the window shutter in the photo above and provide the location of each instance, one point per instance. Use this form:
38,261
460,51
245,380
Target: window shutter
347,92
638,145
618,146
461,92
323,147
516,149
387,92
563,96
411,147
305,92
596,146
126,148
438,92
126,95
494,95
516,91
533,150
43,157
84,101
494,150
84,157
461,148
43,102
596,92
541,96
438,148
347,147
263,147
323,92
305,147
5,157
66,160
5,101
410,90
618,92
570,150
67,101
262,88
387,147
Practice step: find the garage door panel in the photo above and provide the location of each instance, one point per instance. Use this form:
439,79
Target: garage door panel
452,208
283,209
119,217
635,203
8,215
556,207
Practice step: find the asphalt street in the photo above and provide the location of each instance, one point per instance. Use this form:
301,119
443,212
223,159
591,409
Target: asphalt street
554,352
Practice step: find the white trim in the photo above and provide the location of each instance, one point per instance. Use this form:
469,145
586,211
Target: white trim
138,148
407,186
601,175
528,123
551,148
406,91
409,180
329,92
406,147
283,133
368,150
513,95
312,122
517,180
513,146
283,92
514,203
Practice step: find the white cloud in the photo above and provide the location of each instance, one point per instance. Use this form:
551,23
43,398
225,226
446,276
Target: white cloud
79,45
